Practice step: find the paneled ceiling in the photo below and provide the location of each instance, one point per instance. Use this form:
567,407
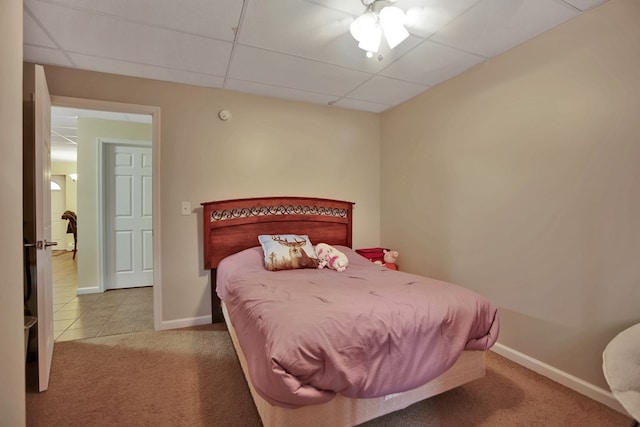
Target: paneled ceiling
294,49
299,50
64,128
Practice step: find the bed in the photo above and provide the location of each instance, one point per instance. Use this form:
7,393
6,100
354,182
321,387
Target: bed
295,389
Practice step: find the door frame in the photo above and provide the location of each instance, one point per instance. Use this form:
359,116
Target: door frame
103,255
154,112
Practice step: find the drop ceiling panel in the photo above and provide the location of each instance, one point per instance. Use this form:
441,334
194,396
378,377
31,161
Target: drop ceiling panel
208,18
262,66
298,22
585,4
494,26
67,116
278,92
351,7
45,55
431,63
34,34
107,37
424,18
62,120
63,136
133,69
383,90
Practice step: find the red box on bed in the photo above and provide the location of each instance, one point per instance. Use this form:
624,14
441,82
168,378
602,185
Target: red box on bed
372,254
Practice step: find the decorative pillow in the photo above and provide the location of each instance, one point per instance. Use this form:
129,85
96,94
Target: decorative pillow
287,252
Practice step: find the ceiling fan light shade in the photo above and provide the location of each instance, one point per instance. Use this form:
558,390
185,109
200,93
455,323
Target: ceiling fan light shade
371,42
392,22
367,28
362,25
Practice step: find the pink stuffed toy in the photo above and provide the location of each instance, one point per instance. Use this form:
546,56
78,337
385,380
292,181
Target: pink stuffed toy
331,257
390,258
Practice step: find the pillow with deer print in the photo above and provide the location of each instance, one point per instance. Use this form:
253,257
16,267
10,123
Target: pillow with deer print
287,251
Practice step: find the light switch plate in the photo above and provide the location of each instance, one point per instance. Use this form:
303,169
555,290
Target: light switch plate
186,208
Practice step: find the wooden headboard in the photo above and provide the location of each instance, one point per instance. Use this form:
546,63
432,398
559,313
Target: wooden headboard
230,226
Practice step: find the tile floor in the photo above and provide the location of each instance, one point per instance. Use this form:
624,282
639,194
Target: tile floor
84,316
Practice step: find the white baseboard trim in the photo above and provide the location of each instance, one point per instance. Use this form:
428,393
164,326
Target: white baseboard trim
86,291
594,392
183,323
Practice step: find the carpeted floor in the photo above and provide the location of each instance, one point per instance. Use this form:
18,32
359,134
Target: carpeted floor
191,377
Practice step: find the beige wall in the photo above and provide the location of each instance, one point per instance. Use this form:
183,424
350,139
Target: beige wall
269,147
71,187
89,133
517,179
12,391
521,179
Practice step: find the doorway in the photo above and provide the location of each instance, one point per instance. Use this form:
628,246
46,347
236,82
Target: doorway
87,291
126,181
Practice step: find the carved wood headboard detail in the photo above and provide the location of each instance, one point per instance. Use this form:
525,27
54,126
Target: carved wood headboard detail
230,226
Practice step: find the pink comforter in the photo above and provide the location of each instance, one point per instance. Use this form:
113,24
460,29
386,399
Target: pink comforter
365,332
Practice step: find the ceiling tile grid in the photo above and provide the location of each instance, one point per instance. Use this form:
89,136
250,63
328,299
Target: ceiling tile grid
132,69
494,26
300,50
200,17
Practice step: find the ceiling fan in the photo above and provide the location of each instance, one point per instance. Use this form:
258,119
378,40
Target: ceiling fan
380,17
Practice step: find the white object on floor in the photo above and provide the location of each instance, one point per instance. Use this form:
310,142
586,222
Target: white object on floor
621,367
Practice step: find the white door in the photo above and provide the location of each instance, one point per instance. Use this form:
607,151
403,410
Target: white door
58,206
37,220
128,215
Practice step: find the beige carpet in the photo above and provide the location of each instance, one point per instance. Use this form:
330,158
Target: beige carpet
191,377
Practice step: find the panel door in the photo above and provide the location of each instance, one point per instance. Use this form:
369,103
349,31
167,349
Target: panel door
37,221
129,220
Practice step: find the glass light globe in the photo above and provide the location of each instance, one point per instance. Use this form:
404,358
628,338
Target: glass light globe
362,25
392,22
371,41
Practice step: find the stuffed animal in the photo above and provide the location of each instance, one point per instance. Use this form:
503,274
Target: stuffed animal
331,257
390,258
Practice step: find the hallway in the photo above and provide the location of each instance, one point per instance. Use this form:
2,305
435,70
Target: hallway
84,316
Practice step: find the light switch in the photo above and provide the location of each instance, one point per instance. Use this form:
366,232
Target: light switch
186,208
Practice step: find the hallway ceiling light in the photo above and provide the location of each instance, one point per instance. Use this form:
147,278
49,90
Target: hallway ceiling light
55,186
379,18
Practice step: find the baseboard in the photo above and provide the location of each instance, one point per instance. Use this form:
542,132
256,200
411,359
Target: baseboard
594,392
184,323
86,291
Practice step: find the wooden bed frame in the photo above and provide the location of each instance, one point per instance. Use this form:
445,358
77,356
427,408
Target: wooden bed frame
234,225
231,226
